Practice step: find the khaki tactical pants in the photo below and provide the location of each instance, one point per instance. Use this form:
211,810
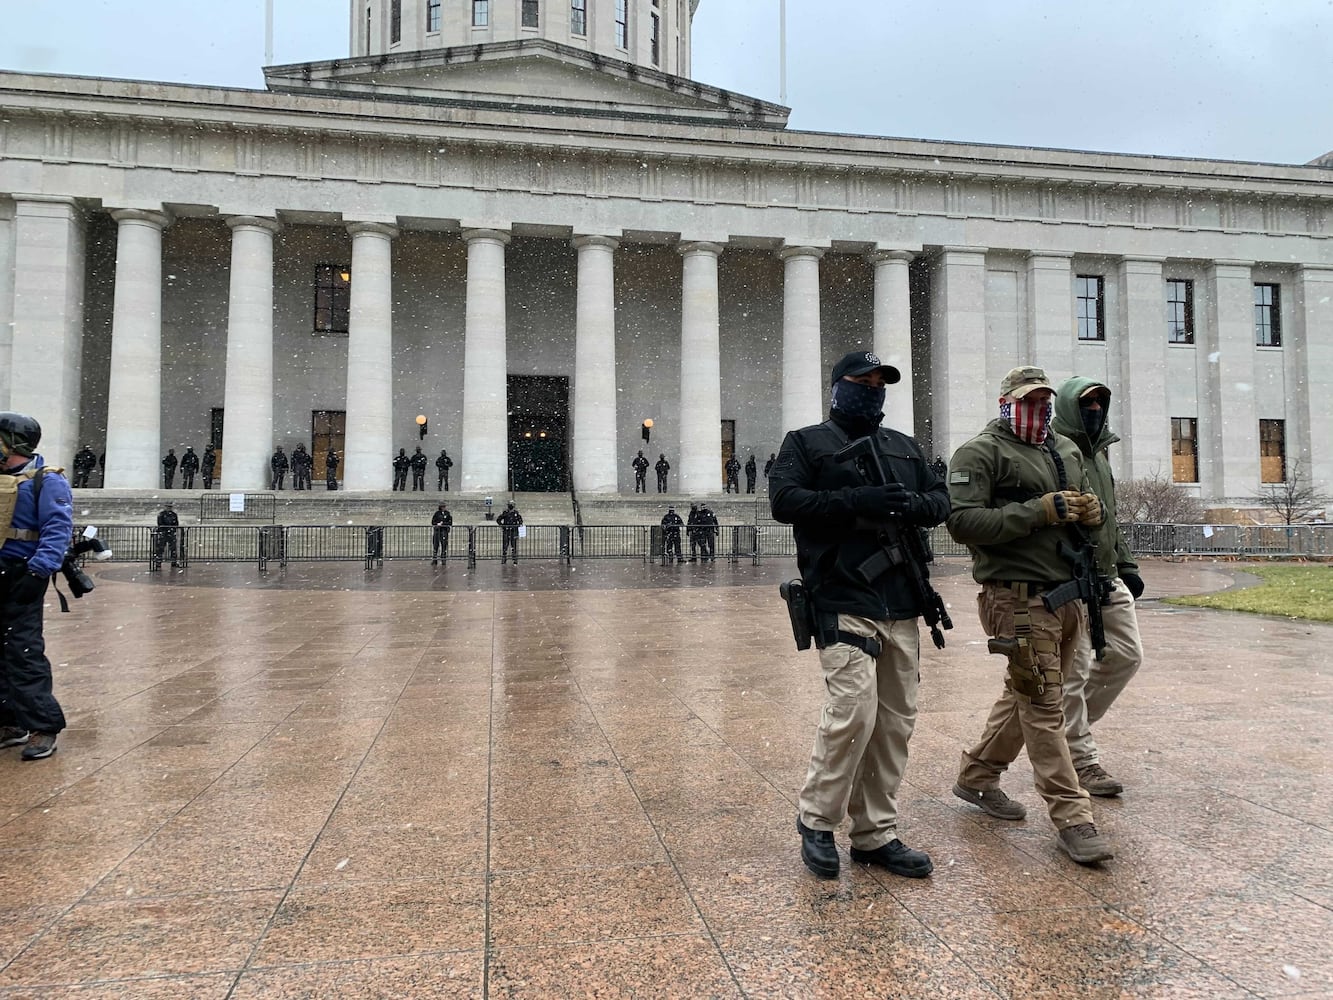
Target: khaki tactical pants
1092,685
861,745
1038,722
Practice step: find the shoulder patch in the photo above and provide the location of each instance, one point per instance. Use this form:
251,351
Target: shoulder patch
960,477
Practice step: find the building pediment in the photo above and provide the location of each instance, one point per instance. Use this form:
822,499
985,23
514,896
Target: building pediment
530,75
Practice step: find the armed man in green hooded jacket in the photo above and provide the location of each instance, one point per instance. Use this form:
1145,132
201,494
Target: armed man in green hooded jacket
1092,685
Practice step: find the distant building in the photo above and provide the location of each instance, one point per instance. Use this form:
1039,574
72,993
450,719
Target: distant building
522,219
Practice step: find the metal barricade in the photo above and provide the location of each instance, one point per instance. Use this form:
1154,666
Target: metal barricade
271,543
209,543
616,541
325,543
374,547
744,544
254,507
539,541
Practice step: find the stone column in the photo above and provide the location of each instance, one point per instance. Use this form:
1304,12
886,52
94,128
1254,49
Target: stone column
369,440
964,393
893,332
1139,405
247,428
1310,431
47,347
134,394
1228,415
804,381
595,366
6,303
1050,326
700,371
485,454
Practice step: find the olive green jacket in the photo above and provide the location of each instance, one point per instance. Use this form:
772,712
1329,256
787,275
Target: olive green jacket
1113,555
996,482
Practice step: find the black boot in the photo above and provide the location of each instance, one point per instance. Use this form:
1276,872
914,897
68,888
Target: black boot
818,851
898,858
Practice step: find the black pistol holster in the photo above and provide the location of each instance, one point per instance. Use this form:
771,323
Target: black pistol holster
822,627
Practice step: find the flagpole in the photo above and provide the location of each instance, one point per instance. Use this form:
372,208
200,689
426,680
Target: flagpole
268,32
782,53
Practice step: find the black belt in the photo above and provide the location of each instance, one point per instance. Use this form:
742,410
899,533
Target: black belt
1034,586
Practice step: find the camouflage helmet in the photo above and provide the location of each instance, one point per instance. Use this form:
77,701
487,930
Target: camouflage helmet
19,433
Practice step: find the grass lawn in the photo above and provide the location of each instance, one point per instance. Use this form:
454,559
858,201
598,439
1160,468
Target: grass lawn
1304,591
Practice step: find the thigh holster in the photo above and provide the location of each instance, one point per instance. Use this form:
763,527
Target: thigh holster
1026,675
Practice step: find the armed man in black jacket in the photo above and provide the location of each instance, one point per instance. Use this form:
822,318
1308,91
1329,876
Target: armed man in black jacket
865,614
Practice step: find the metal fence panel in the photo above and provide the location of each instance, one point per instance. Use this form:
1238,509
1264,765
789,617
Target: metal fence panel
1230,539
541,541
612,541
325,542
221,543
256,507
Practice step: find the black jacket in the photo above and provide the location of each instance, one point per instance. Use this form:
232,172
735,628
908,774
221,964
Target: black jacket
819,498
442,518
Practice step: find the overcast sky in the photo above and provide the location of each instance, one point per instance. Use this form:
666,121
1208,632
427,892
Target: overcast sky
1227,79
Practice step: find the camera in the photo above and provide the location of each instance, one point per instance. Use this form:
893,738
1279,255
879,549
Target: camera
79,582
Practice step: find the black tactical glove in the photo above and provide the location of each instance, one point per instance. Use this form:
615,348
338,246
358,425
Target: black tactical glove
1135,584
889,500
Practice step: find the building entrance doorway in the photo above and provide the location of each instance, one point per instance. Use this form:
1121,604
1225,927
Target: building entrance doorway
728,447
327,430
538,428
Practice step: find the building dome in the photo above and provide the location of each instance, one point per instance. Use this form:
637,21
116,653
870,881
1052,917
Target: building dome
651,33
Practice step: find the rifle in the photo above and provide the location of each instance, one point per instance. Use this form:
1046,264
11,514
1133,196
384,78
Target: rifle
1087,584
901,546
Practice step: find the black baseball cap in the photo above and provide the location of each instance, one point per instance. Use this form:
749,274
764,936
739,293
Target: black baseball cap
863,363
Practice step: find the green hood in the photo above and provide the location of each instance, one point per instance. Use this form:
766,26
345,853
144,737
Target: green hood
1069,422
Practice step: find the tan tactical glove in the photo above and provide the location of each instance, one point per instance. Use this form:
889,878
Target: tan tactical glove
1058,506
1090,510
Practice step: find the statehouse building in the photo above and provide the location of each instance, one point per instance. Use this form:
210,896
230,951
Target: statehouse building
526,222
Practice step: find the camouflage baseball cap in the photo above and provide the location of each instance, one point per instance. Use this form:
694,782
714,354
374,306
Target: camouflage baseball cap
1020,381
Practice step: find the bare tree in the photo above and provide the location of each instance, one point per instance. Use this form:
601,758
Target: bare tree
1293,500
1155,499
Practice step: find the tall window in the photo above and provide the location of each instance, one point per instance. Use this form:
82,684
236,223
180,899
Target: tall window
1267,316
1272,451
333,297
622,24
531,13
432,15
367,31
578,17
395,21
1091,307
657,39
1179,311
1184,450
481,13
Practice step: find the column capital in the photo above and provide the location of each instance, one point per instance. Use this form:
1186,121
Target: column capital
1139,258
1063,255
1222,263
235,222
1319,272
48,205
147,216
372,229
699,247
787,253
890,256
608,242
487,235
961,253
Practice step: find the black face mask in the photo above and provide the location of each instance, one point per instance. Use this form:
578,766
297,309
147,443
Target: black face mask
1093,420
858,402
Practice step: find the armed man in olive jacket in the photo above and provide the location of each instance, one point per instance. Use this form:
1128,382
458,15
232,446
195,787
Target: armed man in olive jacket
865,614
1019,495
1092,686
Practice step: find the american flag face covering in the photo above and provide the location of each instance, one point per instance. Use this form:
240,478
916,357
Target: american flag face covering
1030,420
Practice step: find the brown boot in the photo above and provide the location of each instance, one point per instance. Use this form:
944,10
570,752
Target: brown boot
1084,844
1096,781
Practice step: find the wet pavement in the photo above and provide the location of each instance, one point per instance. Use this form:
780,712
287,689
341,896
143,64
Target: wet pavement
551,781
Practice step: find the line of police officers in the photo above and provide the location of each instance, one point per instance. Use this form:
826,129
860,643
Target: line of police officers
1024,496
701,527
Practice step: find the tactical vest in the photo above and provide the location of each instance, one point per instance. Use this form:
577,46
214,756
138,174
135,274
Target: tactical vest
9,498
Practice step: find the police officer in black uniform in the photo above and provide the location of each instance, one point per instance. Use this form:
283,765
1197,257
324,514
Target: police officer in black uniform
692,529
31,552
708,531
84,463
331,470
444,463
768,466
169,463
441,521
671,525
401,463
733,470
209,464
509,521
301,466
867,612
751,474
419,462
662,468
167,525
640,465
278,465
189,466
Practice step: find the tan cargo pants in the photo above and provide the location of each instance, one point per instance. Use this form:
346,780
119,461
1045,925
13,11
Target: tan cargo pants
1092,685
861,745
1037,722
